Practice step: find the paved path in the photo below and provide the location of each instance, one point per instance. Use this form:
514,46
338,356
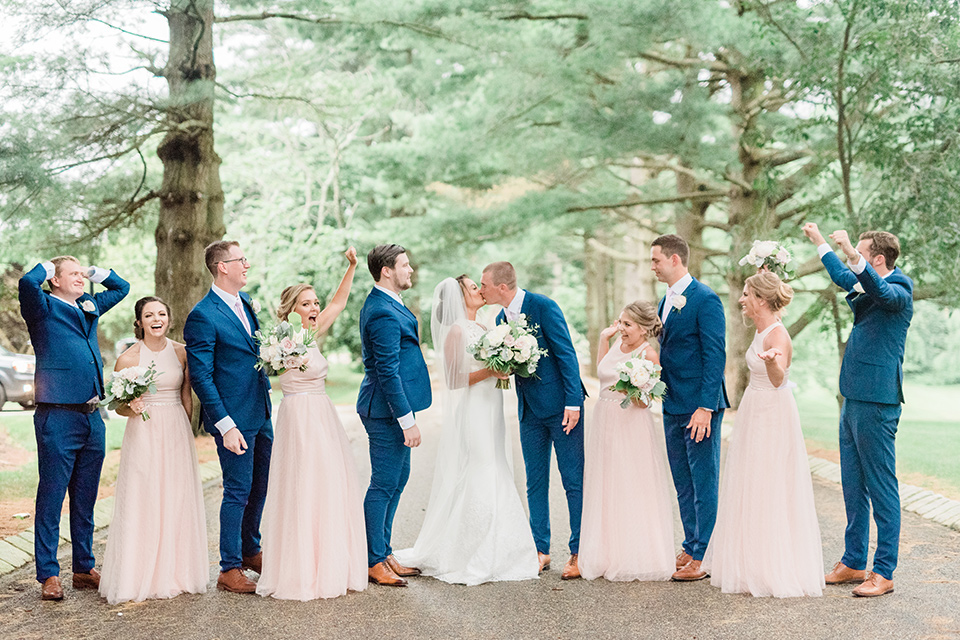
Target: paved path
926,603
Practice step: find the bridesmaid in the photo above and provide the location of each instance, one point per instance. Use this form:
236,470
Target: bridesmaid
767,538
314,541
157,545
627,531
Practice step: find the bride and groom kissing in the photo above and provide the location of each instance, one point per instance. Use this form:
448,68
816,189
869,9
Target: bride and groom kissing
475,529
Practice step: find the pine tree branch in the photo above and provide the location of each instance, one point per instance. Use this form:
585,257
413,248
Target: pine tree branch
696,196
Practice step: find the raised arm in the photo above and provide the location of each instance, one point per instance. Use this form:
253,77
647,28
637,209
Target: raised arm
116,290
339,301
603,347
34,303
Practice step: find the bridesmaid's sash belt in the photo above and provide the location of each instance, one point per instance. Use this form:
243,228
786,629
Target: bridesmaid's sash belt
305,393
164,404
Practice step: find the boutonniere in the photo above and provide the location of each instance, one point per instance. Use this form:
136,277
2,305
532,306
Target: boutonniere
255,306
678,302
88,306
858,288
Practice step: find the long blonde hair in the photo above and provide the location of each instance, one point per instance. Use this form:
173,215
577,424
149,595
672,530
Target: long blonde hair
288,299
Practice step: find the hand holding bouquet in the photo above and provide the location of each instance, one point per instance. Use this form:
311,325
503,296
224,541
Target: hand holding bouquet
509,348
283,348
640,381
128,384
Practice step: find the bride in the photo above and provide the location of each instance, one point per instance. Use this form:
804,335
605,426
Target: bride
475,529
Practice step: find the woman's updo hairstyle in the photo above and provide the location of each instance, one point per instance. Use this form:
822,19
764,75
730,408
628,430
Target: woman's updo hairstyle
644,314
288,300
768,286
138,313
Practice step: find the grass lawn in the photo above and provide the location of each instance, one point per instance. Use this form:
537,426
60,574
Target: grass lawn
928,449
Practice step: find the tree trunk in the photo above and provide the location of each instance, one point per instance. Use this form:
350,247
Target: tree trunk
191,197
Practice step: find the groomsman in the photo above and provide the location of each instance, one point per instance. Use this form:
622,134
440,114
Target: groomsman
71,436
395,386
871,383
550,409
235,408
693,356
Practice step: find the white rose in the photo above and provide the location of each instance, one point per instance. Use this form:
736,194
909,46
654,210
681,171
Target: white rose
521,356
783,256
639,377
506,355
764,248
255,306
678,302
88,306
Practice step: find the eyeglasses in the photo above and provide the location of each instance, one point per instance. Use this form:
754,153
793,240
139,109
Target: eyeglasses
242,260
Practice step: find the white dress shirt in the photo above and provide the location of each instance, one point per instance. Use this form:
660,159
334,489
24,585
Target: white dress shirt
676,289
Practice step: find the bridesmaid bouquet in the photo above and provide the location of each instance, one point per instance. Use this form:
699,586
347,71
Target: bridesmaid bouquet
283,348
509,348
770,254
639,380
128,384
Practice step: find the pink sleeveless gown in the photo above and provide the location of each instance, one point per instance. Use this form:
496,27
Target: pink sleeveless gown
157,544
627,529
314,541
767,539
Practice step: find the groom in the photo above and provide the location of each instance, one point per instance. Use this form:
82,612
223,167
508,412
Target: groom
871,379
235,408
395,385
692,354
551,406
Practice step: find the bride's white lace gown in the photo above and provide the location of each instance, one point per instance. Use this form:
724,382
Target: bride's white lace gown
475,529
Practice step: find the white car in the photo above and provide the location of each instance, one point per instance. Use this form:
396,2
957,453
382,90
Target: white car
16,378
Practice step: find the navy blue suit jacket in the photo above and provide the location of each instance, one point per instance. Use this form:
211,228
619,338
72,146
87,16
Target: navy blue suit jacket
395,379
69,365
872,369
222,359
693,353
557,382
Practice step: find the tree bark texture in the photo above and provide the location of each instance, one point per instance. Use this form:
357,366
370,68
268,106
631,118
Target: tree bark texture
191,196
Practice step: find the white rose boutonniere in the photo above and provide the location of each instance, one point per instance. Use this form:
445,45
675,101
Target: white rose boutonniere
255,306
88,306
678,302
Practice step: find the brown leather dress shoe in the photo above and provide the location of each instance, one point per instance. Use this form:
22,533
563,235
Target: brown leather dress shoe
51,589
254,563
399,569
571,570
544,560
381,573
682,559
234,581
842,574
875,585
87,580
690,572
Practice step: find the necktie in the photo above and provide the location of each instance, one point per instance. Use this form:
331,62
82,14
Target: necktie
238,308
666,305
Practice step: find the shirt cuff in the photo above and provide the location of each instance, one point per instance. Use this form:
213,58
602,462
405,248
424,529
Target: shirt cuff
705,409
407,421
859,266
224,425
823,249
98,275
50,268
572,408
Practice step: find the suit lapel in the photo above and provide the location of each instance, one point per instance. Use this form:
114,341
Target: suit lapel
232,317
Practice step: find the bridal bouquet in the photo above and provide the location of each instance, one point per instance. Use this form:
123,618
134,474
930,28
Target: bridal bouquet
770,254
283,348
639,380
128,384
509,348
